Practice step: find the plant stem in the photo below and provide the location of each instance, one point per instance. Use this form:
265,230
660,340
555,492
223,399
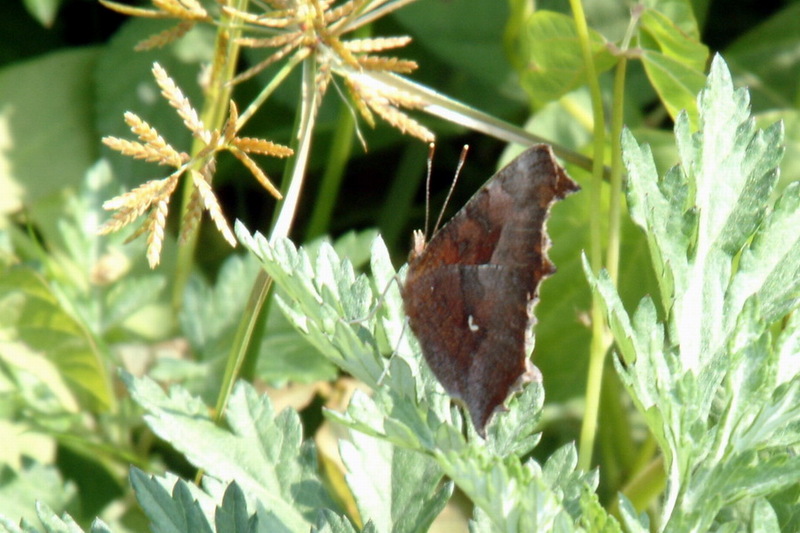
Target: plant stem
281,227
340,152
215,108
599,330
439,105
617,117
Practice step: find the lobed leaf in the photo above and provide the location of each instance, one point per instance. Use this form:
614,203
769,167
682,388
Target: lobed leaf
709,381
395,489
263,452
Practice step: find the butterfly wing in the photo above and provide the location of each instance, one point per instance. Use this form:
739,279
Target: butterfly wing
469,294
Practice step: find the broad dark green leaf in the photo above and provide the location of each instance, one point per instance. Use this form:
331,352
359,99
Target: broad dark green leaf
49,125
554,62
672,42
766,59
676,83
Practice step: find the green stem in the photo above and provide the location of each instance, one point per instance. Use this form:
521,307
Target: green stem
599,330
273,84
213,115
617,117
617,440
642,489
281,228
340,152
439,105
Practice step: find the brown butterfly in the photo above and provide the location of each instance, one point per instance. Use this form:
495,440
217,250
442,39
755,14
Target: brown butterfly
469,293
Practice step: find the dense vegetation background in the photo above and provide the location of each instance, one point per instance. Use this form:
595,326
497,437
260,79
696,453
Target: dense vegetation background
68,72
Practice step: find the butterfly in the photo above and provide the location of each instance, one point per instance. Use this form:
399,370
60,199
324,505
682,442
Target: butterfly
469,293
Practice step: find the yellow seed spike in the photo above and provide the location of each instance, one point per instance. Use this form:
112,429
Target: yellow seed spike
257,172
146,192
356,96
143,228
262,146
176,99
341,11
403,122
155,148
272,42
155,239
390,64
277,19
229,130
212,206
252,71
181,11
165,37
191,216
375,44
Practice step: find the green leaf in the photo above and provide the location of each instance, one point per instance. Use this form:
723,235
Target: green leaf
52,523
32,314
65,523
633,521
790,118
764,519
554,56
464,34
515,496
330,522
720,393
769,264
672,42
102,277
43,10
513,431
32,482
232,516
316,298
263,452
675,82
211,314
766,57
395,489
48,125
680,13
168,513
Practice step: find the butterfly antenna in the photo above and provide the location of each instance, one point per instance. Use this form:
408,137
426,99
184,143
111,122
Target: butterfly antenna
431,149
461,161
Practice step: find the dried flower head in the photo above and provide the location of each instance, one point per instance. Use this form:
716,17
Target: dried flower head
188,13
154,195
314,28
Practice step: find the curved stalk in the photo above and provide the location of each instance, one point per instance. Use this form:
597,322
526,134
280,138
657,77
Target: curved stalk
281,228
